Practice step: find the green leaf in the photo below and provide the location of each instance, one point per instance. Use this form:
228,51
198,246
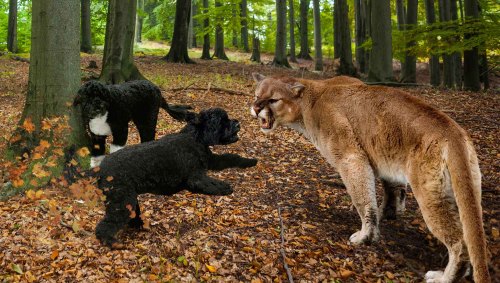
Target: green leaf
16,268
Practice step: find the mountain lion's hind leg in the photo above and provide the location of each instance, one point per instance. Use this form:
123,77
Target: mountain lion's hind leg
393,203
431,186
359,180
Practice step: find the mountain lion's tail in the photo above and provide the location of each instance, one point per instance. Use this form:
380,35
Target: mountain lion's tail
466,184
178,112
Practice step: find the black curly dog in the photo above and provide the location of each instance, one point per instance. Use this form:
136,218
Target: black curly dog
166,166
107,109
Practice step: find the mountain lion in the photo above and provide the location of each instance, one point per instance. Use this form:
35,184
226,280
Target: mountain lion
373,131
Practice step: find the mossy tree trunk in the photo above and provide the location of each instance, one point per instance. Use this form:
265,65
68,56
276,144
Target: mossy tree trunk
139,21
304,40
54,72
381,33
118,60
179,50
206,36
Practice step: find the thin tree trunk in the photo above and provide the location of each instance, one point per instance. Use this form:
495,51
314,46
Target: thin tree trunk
118,60
219,51
304,42
12,27
291,26
206,36
179,50
280,59
86,43
344,38
235,34
457,56
360,13
244,25
190,26
381,33
194,23
255,50
448,60
471,57
140,21
401,17
409,74
434,59
318,54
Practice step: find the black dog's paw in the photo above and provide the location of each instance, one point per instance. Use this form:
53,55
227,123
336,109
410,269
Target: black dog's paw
248,162
219,188
136,223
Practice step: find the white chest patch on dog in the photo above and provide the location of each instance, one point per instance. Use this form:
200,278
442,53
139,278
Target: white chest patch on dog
114,148
99,126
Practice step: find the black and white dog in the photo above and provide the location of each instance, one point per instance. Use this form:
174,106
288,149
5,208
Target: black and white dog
166,166
107,110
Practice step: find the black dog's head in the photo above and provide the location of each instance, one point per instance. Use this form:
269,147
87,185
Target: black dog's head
93,96
212,127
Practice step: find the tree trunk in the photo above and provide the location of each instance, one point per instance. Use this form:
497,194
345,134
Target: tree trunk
54,71
179,50
318,54
381,33
219,51
401,17
194,23
409,74
343,34
139,21
434,59
190,30
244,25
205,55
12,27
235,34
448,60
255,50
86,44
360,13
457,56
304,42
291,26
118,60
471,57
280,59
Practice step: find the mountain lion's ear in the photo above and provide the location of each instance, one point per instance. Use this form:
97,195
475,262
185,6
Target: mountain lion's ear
258,77
297,88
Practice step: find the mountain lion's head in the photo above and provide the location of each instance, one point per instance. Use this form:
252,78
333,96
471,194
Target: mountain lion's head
276,101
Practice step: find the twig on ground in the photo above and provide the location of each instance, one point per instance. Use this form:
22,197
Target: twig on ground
282,249
229,91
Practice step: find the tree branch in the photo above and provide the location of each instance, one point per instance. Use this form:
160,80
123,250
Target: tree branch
282,249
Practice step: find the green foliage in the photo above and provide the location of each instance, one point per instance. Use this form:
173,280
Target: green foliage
23,25
98,14
158,25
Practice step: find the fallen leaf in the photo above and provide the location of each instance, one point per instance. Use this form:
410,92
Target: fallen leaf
211,268
16,268
54,254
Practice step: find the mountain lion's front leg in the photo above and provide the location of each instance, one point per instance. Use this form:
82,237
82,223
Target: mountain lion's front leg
358,177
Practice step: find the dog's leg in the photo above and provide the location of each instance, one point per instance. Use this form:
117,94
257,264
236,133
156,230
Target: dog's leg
136,222
120,208
120,134
223,161
146,125
98,149
393,203
202,184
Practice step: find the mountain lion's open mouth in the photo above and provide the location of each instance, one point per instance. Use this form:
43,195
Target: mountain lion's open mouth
266,123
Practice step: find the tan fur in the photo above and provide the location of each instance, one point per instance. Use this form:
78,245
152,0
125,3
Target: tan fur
373,131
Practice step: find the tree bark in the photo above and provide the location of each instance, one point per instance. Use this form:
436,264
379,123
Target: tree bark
235,34
139,21
471,57
401,17
360,13
86,43
12,27
448,60
304,42
430,13
118,60
291,26
457,56
409,74
318,54
179,50
244,25
381,33
190,26
54,72
219,51
205,55
255,50
343,34
280,59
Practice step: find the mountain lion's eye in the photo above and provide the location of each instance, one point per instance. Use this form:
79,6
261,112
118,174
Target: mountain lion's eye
271,101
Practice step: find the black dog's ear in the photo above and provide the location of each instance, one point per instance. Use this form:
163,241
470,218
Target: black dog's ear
192,118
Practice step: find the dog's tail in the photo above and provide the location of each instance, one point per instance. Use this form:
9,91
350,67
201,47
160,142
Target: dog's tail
179,111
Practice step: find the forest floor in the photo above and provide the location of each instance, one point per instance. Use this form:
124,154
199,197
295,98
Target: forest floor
191,238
